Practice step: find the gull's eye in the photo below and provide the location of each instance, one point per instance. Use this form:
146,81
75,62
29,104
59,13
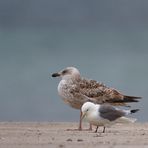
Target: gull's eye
87,110
64,71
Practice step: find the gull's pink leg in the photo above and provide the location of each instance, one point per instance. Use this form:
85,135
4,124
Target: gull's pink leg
80,125
90,127
80,122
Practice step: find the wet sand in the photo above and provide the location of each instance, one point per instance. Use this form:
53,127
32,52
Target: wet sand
56,135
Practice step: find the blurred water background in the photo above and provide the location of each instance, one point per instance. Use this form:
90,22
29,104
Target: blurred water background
106,40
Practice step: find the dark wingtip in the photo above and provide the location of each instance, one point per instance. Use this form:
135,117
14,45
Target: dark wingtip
131,99
134,110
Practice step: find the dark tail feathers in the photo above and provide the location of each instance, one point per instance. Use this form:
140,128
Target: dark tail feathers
131,99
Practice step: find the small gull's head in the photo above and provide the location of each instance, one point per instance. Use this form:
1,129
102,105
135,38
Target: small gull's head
69,72
87,108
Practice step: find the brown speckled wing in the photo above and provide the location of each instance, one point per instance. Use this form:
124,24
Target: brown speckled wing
99,93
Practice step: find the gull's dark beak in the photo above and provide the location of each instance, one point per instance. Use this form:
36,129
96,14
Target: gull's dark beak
55,75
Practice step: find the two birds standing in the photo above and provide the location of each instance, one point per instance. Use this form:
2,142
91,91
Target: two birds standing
76,91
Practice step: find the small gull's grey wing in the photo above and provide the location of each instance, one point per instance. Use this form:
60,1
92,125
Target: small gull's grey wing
110,113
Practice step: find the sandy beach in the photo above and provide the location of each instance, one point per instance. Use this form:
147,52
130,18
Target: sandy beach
56,135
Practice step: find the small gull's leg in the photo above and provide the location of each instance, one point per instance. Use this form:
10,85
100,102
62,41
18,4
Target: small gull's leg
96,129
104,129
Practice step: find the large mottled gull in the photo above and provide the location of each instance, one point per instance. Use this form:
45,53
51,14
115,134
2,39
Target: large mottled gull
103,114
75,91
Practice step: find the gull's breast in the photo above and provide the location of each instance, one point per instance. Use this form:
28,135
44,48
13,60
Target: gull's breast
67,97
96,120
63,90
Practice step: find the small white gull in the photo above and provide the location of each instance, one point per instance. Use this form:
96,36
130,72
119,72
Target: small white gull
103,115
75,91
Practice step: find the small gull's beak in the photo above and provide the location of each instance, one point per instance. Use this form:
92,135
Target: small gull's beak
55,75
83,115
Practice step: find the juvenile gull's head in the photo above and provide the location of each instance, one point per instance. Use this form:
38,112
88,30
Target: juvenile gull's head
69,72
